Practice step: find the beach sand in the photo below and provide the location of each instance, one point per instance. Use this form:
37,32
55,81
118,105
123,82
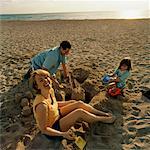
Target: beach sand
97,46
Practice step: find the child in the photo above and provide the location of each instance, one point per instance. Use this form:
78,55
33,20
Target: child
118,79
122,72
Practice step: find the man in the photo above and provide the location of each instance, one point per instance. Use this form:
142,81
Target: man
50,60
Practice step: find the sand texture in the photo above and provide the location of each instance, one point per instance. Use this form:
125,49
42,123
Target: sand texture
97,48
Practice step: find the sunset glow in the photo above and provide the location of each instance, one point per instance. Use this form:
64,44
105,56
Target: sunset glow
131,14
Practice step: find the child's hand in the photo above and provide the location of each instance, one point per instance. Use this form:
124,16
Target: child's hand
113,78
111,74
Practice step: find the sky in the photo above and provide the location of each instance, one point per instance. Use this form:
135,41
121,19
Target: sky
52,6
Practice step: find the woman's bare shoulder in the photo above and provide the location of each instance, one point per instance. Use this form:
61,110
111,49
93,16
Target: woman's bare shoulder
42,107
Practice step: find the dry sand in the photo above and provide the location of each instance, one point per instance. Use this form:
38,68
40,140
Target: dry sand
97,46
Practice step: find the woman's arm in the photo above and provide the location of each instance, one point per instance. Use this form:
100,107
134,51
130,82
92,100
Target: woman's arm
41,111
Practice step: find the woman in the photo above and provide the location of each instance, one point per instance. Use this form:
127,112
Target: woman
55,118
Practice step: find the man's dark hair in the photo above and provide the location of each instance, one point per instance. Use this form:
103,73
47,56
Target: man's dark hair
65,45
126,62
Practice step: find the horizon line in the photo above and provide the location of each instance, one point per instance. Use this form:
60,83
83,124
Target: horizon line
68,12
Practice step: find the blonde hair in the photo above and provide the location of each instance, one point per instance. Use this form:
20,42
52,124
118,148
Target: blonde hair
32,81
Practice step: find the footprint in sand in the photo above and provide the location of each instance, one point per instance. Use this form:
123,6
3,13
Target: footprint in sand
136,108
132,122
135,113
140,123
131,117
144,130
132,129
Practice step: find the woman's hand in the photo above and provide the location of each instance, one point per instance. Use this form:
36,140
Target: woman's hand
69,135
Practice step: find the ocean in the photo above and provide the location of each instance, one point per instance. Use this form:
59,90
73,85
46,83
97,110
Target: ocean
77,15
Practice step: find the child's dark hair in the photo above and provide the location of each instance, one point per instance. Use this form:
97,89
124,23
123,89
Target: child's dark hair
65,45
126,61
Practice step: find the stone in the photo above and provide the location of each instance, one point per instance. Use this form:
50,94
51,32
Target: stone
18,97
26,111
80,74
29,95
78,94
24,102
